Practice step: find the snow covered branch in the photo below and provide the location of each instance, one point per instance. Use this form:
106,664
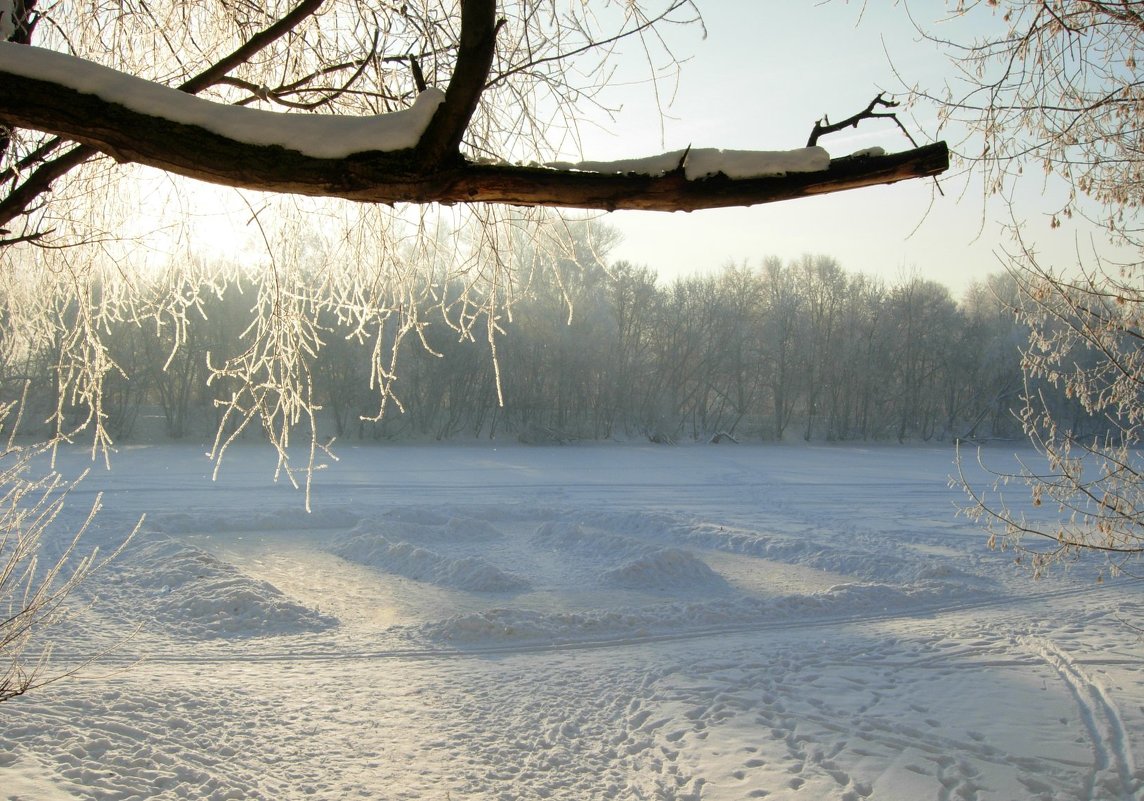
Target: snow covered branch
406,156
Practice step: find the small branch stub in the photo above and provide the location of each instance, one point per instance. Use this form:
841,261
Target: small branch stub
418,75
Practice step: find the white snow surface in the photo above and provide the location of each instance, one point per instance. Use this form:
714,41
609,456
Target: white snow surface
705,162
318,135
614,621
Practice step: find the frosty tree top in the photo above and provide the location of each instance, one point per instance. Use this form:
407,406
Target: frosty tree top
413,155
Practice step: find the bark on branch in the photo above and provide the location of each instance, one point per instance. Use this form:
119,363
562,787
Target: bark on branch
394,177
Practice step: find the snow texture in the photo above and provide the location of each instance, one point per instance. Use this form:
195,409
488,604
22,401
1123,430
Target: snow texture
192,594
642,566
596,622
316,135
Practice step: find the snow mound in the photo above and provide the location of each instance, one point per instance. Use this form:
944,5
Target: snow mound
394,531
664,569
848,557
871,565
504,627
419,515
645,525
470,529
421,564
574,538
643,566
189,592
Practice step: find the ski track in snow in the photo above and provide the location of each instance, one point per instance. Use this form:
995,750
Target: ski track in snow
577,623
1113,769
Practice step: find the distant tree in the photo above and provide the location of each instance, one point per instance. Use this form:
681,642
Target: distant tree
863,371
1057,89
783,331
738,327
822,285
634,298
990,359
924,317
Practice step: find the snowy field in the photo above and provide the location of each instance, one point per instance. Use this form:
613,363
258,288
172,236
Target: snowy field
587,622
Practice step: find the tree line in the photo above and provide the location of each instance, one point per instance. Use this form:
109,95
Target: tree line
771,351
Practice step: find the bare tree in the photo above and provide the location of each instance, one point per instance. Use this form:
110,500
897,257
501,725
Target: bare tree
783,331
1057,86
1086,342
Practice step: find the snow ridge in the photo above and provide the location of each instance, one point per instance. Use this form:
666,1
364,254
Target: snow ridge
643,566
194,595
403,558
528,626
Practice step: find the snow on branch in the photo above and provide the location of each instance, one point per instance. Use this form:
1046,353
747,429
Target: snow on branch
317,135
699,163
406,156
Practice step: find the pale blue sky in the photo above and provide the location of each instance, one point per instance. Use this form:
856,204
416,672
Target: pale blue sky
765,72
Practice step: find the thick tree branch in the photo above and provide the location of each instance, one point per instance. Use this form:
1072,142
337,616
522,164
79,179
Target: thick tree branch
21,199
442,139
393,177
432,171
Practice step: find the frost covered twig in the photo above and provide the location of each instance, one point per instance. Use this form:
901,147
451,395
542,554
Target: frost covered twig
34,589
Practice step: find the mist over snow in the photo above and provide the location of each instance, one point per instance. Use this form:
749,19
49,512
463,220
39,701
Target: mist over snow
586,622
